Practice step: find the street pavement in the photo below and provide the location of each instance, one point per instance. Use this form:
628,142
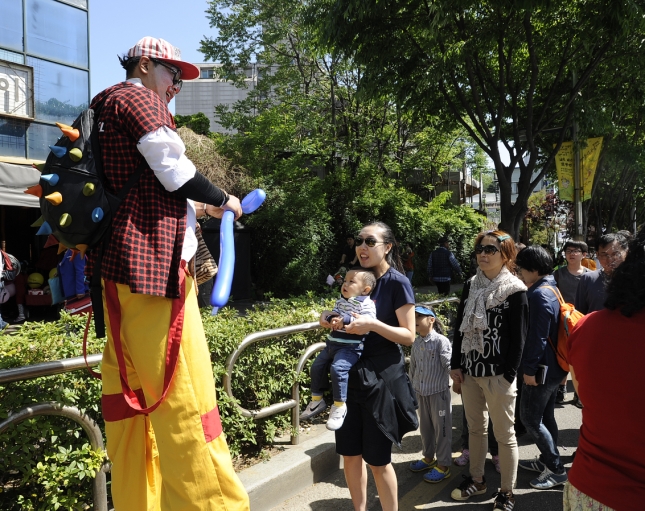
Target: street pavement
331,494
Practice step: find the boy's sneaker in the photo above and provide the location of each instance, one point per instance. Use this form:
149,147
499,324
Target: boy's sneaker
436,475
313,408
463,459
496,464
469,488
422,464
561,395
548,479
504,501
336,417
535,465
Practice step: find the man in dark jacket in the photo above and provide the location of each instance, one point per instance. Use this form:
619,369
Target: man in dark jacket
441,264
539,391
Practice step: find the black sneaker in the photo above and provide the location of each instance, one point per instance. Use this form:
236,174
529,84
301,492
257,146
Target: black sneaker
561,395
504,501
576,401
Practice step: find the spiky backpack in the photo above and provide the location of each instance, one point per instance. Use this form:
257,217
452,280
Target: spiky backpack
77,208
75,204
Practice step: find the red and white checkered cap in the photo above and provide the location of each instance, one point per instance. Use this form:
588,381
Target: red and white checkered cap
163,50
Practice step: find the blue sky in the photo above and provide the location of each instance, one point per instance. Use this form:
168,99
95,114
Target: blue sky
116,25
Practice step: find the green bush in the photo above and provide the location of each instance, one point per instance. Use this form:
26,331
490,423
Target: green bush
45,462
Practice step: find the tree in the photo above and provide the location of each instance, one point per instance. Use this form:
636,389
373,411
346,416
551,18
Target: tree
329,157
507,72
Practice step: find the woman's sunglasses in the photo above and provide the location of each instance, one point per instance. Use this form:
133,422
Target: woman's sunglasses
370,242
486,249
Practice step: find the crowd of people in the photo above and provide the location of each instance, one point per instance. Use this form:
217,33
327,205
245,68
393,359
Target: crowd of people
503,361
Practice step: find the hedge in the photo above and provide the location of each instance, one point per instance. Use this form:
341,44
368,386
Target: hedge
46,462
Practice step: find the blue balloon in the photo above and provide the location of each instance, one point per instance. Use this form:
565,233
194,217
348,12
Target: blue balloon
222,287
52,179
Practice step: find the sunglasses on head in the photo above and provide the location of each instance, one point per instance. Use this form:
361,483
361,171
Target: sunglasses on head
176,73
486,249
370,242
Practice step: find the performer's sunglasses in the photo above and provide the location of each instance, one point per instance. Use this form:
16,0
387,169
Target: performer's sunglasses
486,249
370,242
176,73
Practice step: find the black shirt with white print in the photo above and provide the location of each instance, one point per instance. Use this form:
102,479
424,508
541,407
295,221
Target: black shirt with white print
503,339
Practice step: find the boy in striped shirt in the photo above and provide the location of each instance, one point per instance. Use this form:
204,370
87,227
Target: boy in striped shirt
343,350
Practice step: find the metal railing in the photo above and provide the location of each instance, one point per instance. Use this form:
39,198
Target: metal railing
293,403
94,432
90,427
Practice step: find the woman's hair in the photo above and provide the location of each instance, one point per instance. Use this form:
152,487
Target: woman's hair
535,258
393,257
506,245
438,325
626,289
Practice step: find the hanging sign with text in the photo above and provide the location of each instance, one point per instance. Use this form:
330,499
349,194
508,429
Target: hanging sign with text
564,164
16,90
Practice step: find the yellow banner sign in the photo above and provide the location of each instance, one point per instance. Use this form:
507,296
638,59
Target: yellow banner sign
564,165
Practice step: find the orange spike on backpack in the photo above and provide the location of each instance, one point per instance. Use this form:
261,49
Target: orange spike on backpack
36,190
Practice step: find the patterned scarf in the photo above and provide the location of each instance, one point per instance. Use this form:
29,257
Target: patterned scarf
485,294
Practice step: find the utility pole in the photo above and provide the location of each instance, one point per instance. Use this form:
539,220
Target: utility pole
577,180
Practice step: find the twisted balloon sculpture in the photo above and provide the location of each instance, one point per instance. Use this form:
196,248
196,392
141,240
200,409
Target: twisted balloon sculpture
222,287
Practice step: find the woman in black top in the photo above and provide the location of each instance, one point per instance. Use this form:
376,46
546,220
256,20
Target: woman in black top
492,322
380,403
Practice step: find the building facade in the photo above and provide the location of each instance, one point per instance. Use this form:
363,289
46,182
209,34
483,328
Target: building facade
44,79
209,91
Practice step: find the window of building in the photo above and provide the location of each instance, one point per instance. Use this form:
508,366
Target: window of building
10,56
57,31
41,136
207,73
61,92
11,24
12,137
77,3
513,188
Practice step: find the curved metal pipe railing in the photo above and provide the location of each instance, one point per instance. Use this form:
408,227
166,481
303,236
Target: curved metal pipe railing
89,426
293,403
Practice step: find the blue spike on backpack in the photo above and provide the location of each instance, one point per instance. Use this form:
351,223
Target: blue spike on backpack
97,215
52,179
44,229
58,151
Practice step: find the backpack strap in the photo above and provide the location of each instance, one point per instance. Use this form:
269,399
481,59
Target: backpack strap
556,292
96,291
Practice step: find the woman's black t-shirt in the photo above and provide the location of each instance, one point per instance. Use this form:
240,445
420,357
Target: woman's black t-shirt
392,291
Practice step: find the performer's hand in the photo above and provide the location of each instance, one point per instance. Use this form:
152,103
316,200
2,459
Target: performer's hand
456,388
233,205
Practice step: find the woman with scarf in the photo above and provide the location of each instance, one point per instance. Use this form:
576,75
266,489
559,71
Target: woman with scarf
492,323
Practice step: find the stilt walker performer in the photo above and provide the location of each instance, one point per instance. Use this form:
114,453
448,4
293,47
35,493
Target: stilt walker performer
164,435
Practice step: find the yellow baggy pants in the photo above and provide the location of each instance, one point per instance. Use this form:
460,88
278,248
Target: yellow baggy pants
175,457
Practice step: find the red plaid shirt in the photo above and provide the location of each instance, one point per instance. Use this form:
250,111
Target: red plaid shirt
149,227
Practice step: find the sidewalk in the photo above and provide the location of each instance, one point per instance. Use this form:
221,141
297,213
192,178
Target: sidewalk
309,477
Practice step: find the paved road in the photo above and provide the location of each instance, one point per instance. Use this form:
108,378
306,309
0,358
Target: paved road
331,494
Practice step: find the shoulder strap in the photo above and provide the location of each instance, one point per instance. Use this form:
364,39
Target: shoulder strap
557,294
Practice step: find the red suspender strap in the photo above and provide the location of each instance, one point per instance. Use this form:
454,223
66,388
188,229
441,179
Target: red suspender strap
172,352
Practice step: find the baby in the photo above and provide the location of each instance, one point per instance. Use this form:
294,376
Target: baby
343,350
